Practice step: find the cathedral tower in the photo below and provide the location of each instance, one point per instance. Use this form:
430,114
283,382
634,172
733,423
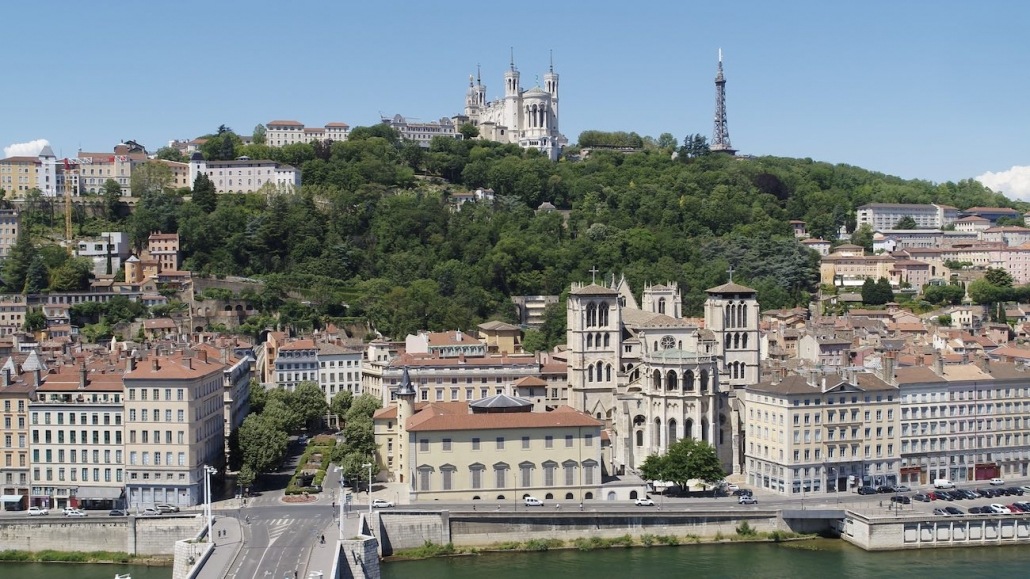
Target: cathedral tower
594,323
551,86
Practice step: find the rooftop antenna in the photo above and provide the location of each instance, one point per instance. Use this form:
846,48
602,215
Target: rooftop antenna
550,54
479,77
512,58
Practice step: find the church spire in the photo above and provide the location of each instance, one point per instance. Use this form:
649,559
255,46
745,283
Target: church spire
512,63
550,56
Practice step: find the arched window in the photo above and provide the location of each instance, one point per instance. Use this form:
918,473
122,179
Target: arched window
656,440
704,380
688,381
607,341
743,315
728,315
591,315
602,311
597,340
661,305
656,380
722,428
640,438
743,341
590,373
736,341
670,381
600,366
688,428
672,431
704,429
590,340
608,373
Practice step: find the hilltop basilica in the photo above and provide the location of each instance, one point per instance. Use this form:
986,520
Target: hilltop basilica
654,377
528,118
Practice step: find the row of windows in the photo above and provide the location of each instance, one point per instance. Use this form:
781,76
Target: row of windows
145,456
84,418
83,436
74,455
155,394
74,474
588,440
145,438
180,415
502,475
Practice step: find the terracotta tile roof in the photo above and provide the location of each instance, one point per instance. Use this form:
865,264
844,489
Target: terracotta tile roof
338,125
286,123
159,324
306,344
529,381
425,360
100,377
174,367
384,413
445,417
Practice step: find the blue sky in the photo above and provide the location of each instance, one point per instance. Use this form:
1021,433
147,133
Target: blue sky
920,89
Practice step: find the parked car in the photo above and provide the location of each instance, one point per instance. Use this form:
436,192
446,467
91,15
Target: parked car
1025,488
532,502
921,497
867,490
381,503
118,513
1015,508
167,508
74,513
943,483
976,510
747,500
1015,491
941,512
151,512
731,487
901,499
997,482
901,488
1000,509
644,502
953,510
743,493
38,511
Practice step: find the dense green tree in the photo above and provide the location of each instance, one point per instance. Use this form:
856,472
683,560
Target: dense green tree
308,400
258,396
35,320
906,222
469,131
262,443
341,403
943,294
72,275
667,141
259,136
112,200
998,277
863,237
19,260
364,406
204,195
171,154
37,277
150,178
359,434
687,459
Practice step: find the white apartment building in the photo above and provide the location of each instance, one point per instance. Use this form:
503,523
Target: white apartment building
174,427
77,434
10,223
281,133
244,175
883,216
423,133
964,422
339,369
106,252
815,433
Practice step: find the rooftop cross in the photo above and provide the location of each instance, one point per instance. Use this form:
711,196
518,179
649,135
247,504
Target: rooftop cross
730,271
593,274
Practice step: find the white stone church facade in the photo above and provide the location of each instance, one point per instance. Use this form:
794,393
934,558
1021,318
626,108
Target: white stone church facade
654,377
527,118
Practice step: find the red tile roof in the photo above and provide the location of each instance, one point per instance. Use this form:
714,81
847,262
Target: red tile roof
444,417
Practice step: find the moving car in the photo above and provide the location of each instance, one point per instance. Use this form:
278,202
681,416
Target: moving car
867,490
747,500
74,513
997,482
742,493
38,511
901,488
167,508
943,483
644,502
532,502
118,513
921,497
730,487
381,504
151,512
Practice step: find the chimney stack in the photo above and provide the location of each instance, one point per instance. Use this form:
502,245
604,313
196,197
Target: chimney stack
938,363
155,364
82,376
130,363
38,377
6,377
203,355
888,367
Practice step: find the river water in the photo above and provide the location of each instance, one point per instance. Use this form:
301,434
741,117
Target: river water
77,571
820,559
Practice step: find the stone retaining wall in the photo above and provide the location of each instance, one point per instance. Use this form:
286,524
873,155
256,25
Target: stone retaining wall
135,536
934,531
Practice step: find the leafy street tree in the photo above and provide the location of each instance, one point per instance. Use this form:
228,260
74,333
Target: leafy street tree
360,435
308,401
363,406
687,459
204,194
245,477
262,443
341,403
906,222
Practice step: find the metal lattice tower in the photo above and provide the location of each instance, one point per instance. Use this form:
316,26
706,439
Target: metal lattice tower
721,135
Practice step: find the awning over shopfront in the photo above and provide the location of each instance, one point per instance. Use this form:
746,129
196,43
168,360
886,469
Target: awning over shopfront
11,498
98,493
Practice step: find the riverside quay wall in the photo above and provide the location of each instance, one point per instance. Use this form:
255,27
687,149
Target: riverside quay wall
934,531
132,535
400,529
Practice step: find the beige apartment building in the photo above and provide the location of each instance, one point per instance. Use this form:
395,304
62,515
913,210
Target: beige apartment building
174,427
821,433
494,449
77,435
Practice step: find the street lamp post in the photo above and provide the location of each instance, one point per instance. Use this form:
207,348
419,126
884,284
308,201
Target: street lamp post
208,471
368,465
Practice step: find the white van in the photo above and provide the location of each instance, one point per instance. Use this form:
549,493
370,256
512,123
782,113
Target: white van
943,483
533,502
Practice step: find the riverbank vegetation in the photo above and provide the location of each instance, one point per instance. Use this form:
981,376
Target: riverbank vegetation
744,533
51,556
